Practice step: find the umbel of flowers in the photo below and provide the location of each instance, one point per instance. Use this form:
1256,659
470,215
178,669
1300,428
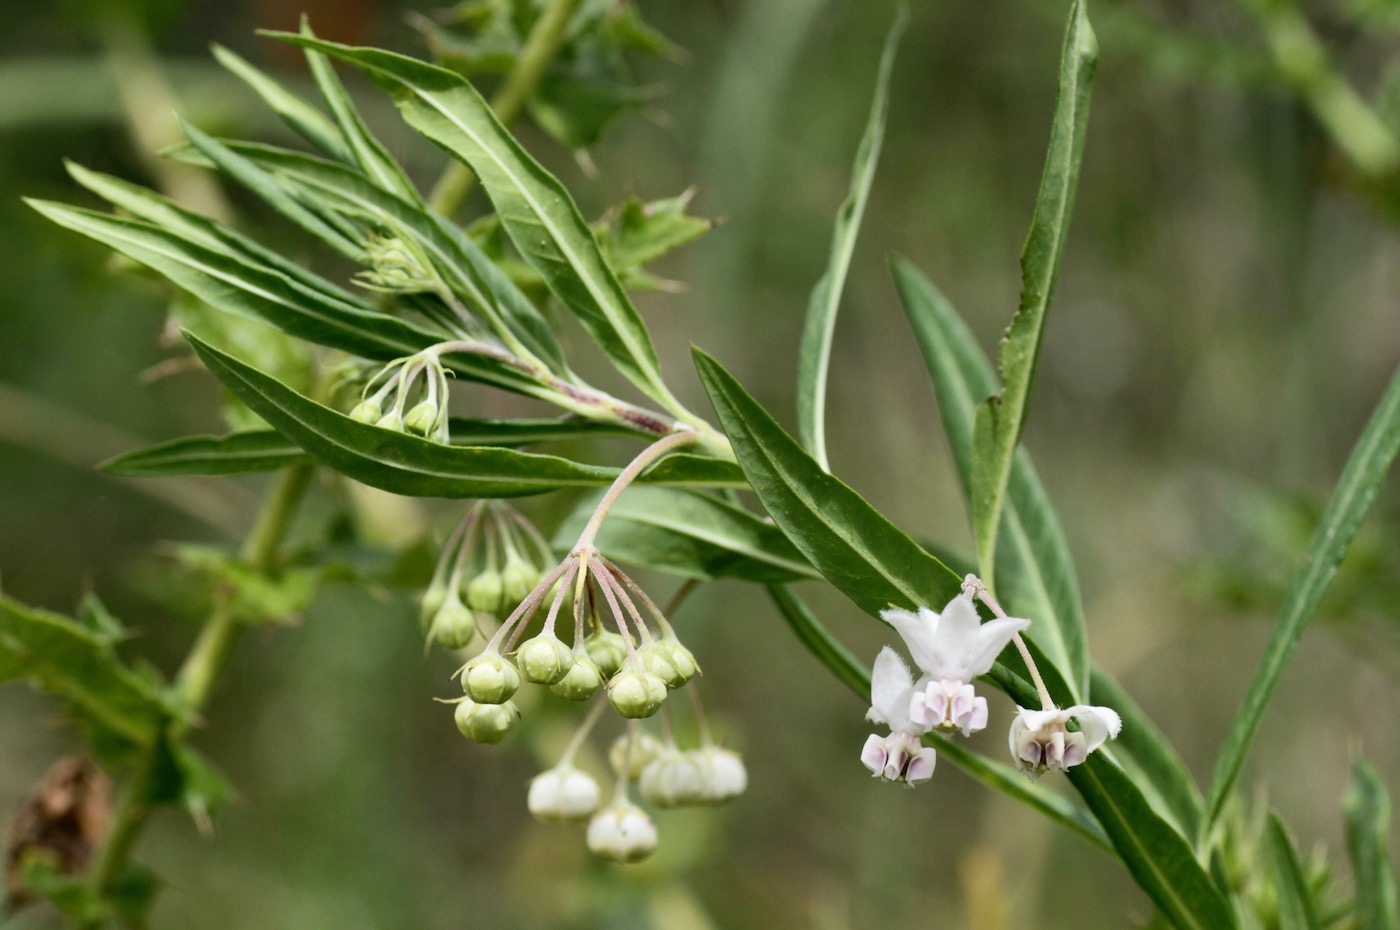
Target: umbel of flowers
951,649
617,649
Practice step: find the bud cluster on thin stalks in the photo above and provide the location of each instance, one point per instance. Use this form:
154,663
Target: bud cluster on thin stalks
409,395
489,564
952,649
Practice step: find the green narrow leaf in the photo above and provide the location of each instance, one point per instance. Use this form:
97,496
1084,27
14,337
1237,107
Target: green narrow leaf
814,352
997,427
412,466
1367,808
378,165
81,667
689,534
308,121
1159,857
535,208
866,557
1295,903
813,634
251,450
1364,472
265,186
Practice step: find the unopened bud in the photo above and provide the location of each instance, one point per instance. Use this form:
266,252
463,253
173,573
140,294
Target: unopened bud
681,657
490,678
422,418
658,662
432,602
635,692
391,421
622,832
723,773
608,651
486,723
630,754
518,579
563,793
366,411
672,780
582,681
484,592
544,659
453,625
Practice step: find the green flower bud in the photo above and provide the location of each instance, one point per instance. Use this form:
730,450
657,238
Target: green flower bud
608,651
391,421
544,659
635,692
582,681
490,678
630,755
486,723
422,418
484,592
518,579
453,625
432,602
657,661
681,657
366,411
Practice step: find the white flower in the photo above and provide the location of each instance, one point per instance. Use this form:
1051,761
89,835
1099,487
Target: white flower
622,832
563,793
672,779
952,649
1040,742
725,775
901,756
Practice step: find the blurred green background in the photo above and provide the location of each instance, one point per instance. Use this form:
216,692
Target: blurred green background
1226,317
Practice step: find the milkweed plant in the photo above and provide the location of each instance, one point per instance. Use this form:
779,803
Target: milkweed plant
353,373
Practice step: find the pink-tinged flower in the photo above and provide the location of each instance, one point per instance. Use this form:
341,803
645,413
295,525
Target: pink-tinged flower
952,649
900,756
1040,743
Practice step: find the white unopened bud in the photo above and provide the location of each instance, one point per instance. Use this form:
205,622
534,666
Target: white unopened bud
622,832
563,793
725,777
486,723
672,780
630,754
544,659
490,678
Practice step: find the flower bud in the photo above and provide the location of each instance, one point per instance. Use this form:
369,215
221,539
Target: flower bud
544,659
490,678
681,657
608,651
622,832
432,602
484,592
658,662
563,793
486,723
723,773
422,418
635,692
518,579
391,421
366,411
453,625
630,754
673,779
582,681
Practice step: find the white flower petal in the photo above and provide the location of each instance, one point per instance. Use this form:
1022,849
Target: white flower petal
992,638
1096,723
891,684
918,632
874,754
956,639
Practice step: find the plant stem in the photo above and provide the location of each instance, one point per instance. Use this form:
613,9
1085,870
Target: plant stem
540,48
629,474
196,679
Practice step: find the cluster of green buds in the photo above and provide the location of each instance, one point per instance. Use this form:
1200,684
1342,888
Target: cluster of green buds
489,565
409,395
396,266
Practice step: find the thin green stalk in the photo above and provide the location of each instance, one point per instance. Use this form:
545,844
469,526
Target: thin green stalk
540,48
196,679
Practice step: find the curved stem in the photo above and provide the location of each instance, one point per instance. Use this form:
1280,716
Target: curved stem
629,474
986,597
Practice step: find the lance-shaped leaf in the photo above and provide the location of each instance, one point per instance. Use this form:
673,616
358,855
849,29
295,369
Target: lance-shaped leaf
813,634
689,534
1160,858
417,467
1361,478
81,666
1295,903
1367,807
308,121
814,352
999,419
865,556
269,450
535,208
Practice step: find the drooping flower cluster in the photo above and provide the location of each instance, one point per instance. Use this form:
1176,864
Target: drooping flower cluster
952,649
419,380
